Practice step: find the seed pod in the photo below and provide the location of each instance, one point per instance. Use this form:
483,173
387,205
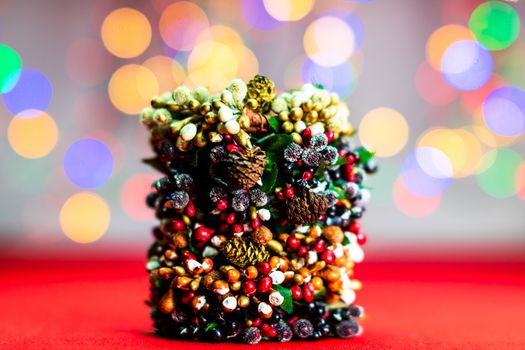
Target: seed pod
330,274
188,132
180,240
277,277
200,140
275,246
210,278
334,234
198,302
265,310
167,302
262,235
221,287
170,255
275,298
244,121
180,271
183,282
232,127
182,145
243,301
166,273
235,286
195,284
207,265
229,304
225,113
193,266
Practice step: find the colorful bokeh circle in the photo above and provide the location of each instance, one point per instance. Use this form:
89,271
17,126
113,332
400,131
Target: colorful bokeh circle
426,172
504,111
32,91
85,217
384,131
9,69
288,10
133,197
88,163
411,204
495,24
32,134
441,39
181,23
499,176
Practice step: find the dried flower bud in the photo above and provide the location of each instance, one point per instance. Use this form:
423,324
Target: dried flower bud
264,214
180,240
167,302
225,114
181,95
188,132
207,265
183,282
277,277
275,298
265,310
193,266
262,235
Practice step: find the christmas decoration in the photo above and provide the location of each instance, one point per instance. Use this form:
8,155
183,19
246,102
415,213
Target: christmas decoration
258,211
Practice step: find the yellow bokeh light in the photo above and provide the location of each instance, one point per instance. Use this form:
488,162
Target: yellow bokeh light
213,65
126,32
32,136
222,34
288,10
169,73
384,131
461,147
84,217
131,88
181,23
329,41
442,38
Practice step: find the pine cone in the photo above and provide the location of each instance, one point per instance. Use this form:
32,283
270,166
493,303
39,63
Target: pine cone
306,207
262,90
243,252
245,169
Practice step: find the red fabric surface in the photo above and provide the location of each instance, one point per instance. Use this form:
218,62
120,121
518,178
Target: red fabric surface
409,305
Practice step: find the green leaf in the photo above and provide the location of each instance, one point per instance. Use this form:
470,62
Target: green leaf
156,163
275,124
270,175
319,173
287,304
190,240
364,154
340,161
345,241
210,325
341,194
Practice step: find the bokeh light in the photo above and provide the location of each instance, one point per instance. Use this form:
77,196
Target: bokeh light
353,20
131,88
461,147
495,24
442,38
181,23
411,204
256,15
432,87
32,91
466,65
9,69
133,196
32,134
426,172
126,32
473,100
93,111
487,136
504,111
88,163
499,176
383,131
169,73
288,10
85,217
329,41
520,181
340,79
87,62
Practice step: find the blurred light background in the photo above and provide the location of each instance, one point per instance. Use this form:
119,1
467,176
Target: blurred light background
436,88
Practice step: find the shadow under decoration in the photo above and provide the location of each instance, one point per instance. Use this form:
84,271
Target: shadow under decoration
258,213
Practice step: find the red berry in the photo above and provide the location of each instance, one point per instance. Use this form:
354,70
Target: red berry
232,147
293,243
190,209
187,255
328,256
256,322
264,267
222,204
300,163
361,238
350,159
265,327
187,296
280,196
308,293
264,284
289,192
230,219
355,226
228,137
329,135
342,153
307,175
302,250
297,292
178,225
237,228
224,227
249,288
307,134
272,332
319,246
203,234
256,223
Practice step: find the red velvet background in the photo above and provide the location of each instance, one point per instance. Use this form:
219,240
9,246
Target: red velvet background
92,303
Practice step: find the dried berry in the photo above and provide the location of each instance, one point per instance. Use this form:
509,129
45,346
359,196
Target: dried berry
318,142
251,335
258,197
330,155
347,329
293,152
284,332
218,154
240,201
218,193
180,199
262,235
311,157
303,328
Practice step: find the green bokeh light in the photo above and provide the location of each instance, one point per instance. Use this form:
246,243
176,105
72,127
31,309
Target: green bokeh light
498,179
495,24
10,68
